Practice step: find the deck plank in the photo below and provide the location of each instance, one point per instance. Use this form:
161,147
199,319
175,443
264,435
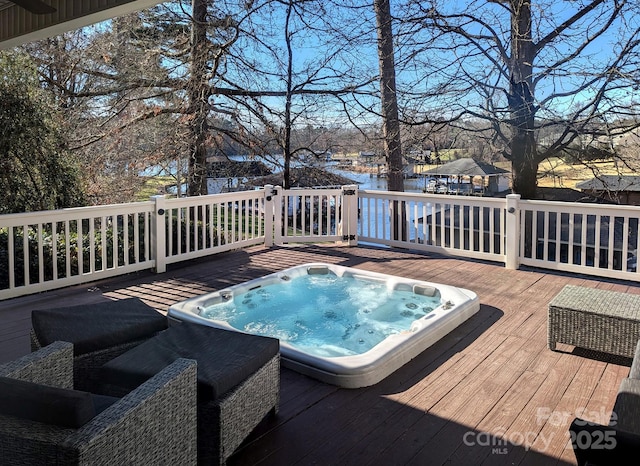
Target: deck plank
477,396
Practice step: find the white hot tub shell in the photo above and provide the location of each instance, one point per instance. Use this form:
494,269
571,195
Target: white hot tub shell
360,370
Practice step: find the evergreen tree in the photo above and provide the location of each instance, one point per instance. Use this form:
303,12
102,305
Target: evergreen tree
36,172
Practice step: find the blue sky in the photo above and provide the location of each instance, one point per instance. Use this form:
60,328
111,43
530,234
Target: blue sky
344,38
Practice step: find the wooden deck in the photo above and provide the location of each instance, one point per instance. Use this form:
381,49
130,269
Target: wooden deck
491,392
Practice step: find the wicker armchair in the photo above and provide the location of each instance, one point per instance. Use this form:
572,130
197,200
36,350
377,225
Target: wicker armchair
155,423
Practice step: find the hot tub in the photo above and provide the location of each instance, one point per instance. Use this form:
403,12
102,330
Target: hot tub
341,325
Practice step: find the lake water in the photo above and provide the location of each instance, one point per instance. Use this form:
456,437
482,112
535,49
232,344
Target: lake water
368,181
364,180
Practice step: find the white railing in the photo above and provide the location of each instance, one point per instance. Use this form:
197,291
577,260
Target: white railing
45,250
457,225
315,215
199,226
91,243
594,239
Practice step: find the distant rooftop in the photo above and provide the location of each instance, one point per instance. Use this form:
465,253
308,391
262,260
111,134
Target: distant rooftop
467,166
611,183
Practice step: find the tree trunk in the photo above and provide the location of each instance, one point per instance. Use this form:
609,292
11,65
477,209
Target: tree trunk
524,166
390,119
524,157
199,93
286,182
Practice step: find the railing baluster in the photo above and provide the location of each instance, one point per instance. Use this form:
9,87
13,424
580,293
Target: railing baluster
559,236
492,231
545,236
219,222
189,227
170,241
40,254
611,231
125,239
202,227
597,254
472,228
25,253
54,250
136,237
625,245
211,222
12,264
67,249
234,224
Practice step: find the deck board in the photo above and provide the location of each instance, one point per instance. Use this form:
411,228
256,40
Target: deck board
490,380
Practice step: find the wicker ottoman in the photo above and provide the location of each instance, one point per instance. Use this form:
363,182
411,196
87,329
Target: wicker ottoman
99,332
238,380
593,319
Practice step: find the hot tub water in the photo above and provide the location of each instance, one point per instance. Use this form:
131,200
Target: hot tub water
324,315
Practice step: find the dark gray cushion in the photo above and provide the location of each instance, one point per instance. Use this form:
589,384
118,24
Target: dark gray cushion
598,445
41,403
102,402
98,326
225,358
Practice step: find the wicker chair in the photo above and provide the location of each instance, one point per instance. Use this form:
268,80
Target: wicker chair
154,424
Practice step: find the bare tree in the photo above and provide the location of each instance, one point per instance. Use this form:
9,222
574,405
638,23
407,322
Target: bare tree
211,73
309,76
565,69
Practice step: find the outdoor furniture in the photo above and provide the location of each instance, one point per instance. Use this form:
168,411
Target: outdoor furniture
618,442
43,421
99,333
599,320
238,380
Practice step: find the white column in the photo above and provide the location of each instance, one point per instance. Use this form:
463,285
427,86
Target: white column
512,243
349,218
278,218
158,234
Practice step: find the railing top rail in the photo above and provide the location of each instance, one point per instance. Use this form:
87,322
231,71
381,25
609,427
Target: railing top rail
462,199
299,190
578,207
221,197
46,216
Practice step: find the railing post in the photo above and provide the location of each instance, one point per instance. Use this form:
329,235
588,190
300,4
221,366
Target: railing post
158,234
268,215
349,215
274,195
512,246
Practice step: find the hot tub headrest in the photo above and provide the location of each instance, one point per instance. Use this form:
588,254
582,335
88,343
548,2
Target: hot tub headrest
425,290
318,270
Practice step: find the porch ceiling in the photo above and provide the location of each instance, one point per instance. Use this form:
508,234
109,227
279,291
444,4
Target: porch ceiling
19,26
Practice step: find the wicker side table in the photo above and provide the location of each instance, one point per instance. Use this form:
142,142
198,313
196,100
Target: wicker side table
599,320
